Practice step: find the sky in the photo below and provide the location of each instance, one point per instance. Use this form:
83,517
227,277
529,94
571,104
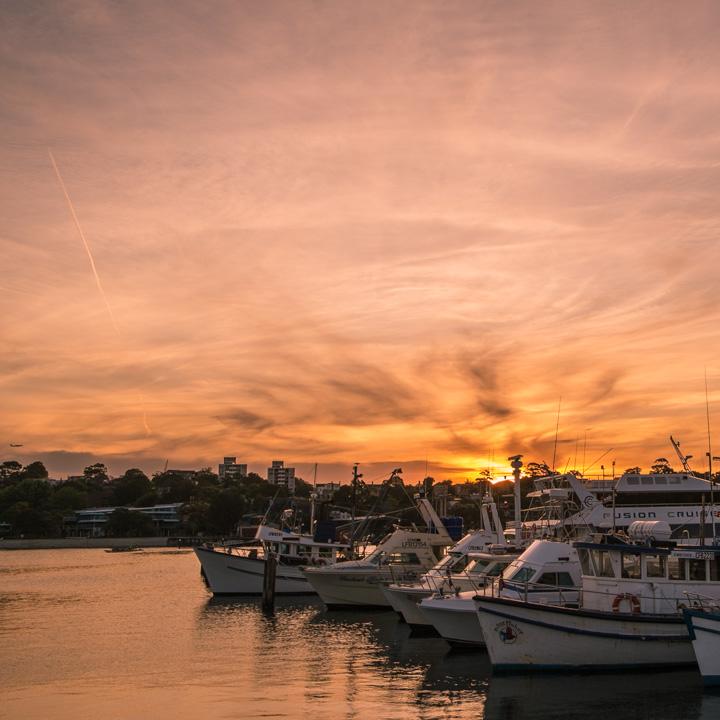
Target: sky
398,233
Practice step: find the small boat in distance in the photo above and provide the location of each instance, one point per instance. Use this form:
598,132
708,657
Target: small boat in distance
124,548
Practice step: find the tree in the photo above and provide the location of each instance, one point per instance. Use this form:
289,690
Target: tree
10,470
302,488
225,510
34,470
660,467
131,486
538,469
636,470
172,487
96,474
129,523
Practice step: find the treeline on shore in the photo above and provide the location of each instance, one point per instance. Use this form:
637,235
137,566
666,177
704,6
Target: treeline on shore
31,505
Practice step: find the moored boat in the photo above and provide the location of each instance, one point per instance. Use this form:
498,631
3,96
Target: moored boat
630,615
547,571
239,570
703,625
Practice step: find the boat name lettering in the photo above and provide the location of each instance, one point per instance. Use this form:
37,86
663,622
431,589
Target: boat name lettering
413,544
698,555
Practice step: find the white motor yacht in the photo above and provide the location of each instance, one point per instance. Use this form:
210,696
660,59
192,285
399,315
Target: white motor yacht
547,571
403,556
467,565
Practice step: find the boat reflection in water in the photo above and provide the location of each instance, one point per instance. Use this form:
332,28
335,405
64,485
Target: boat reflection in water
354,664
345,663
671,694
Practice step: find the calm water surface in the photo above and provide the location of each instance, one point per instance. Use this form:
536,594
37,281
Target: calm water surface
89,634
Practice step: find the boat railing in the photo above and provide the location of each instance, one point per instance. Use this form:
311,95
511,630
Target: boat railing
566,595
702,602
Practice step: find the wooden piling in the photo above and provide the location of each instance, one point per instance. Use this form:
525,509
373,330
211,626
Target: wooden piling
268,597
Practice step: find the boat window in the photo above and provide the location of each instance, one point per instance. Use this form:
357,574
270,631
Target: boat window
565,580
476,566
399,558
496,569
660,480
674,480
631,566
655,566
446,562
548,578
714,570
676,570
460,563
585,561
633,481
603,564
647,481
523,574
696,570
284,549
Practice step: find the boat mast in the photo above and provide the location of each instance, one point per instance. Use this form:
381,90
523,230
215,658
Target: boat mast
516,464
710,459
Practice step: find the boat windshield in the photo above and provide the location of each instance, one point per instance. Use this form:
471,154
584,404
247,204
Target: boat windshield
522,574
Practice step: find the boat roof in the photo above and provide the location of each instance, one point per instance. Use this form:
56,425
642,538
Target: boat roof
666,482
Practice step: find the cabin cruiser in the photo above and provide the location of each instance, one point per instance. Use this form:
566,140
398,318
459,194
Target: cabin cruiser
239,570
633,593
477,557
547,571
402,556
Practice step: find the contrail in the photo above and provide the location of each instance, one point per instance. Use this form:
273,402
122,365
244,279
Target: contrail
148,430
85,242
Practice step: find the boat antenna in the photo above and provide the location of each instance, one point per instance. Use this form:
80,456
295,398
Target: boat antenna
315,476
557,428
683,458
710,459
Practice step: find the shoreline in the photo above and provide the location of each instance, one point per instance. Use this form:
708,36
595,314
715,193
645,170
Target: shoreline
81,543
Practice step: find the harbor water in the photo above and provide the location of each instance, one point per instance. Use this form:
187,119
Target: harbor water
90,634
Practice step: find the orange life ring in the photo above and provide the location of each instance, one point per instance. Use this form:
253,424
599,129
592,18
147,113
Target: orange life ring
634,601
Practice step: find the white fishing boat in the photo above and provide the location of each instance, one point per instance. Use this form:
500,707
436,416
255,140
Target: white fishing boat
630,614
482,568
403,556
479,555
239,570
547,571
703,623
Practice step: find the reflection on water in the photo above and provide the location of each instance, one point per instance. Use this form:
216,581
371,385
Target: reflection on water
87,633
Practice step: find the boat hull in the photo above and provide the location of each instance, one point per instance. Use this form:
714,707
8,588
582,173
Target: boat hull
704,629
343,589
455,620
405,600
228,574
526,637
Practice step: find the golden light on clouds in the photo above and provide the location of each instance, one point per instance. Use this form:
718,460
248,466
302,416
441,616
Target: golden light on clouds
376,233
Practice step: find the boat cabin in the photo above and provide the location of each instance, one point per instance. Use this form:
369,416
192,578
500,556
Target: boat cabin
634,577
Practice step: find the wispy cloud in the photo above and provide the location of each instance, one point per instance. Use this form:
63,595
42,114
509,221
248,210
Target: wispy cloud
341,232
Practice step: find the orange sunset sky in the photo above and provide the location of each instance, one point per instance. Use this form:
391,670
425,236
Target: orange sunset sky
379,232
